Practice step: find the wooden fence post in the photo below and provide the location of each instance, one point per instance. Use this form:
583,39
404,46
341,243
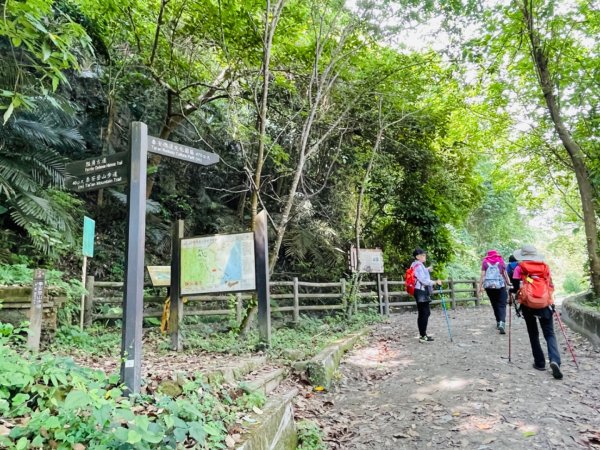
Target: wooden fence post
452,292
343,293
386,298
88,305
37,310
296,302
238,307
476,295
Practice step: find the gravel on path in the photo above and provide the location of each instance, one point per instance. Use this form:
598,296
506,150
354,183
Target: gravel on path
397,393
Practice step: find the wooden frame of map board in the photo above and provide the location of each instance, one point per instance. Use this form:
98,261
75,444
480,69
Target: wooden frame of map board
217,263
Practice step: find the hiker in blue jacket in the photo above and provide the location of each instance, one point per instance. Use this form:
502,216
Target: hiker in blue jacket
423,289
496,283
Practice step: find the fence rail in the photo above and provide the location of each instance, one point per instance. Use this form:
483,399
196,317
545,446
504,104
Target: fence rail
104,298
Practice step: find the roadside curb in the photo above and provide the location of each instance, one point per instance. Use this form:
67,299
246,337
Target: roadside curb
231,374
322,368
580,319
275,427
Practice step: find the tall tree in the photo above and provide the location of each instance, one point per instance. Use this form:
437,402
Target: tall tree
550,87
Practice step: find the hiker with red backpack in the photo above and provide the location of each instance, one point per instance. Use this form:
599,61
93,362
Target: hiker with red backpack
535,297
420,283
496,283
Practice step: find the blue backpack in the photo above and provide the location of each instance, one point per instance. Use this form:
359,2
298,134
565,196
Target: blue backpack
511,268
493,278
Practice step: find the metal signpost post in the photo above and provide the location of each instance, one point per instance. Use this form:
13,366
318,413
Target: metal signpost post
261,254
133,302
176,305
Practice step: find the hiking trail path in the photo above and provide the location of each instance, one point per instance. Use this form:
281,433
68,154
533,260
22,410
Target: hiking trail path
397,393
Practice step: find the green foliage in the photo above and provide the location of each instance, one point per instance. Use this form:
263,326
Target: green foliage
32,170
310,436
574,283
94,340
312,334
65,404
38,44
250,400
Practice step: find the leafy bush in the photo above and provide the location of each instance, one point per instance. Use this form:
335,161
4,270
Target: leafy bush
50,402
573,283
310,436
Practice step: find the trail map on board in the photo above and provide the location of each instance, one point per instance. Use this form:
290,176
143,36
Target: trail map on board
220,263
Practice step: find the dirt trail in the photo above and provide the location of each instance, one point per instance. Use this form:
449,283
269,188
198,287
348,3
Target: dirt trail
397,393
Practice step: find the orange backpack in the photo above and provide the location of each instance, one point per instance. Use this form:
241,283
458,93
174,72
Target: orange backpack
410,280
536,285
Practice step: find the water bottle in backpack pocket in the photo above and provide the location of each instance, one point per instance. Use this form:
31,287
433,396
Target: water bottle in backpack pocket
493,278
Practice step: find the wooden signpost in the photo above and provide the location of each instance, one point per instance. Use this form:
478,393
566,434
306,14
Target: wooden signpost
112,170
36,312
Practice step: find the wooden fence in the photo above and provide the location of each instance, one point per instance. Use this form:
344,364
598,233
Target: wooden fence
105,298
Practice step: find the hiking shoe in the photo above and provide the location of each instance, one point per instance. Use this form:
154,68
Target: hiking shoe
425,339
501,327
536,367
556,373
497,325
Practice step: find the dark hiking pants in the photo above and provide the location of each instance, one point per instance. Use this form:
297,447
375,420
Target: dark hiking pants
498,298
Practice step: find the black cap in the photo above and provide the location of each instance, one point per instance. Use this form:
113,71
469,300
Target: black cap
418,251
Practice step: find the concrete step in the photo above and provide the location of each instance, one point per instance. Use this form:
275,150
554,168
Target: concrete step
275,428
233,373
267,382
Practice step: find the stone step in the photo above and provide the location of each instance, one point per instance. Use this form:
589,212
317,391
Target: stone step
233,373
267,382
275,428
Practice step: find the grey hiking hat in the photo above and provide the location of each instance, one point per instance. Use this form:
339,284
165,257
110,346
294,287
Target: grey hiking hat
528,253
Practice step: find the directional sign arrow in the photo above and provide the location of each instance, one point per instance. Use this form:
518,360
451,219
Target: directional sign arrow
183,152
97,164
98,180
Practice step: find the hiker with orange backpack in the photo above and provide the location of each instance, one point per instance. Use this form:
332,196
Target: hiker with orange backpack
496,283
535,297
423,288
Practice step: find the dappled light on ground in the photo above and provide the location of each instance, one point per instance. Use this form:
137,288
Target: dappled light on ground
379,356
396,393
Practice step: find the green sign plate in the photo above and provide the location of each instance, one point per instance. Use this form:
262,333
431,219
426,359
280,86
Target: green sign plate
89,228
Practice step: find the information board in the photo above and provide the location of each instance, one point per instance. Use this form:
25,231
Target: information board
220,263
371,260
160,275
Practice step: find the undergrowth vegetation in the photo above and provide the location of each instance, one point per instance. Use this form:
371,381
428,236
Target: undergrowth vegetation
50,402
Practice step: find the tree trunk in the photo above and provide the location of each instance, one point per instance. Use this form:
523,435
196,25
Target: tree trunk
261,122
576,155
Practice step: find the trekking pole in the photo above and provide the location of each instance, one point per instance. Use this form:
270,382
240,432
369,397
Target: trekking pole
565,335
511,299
446,314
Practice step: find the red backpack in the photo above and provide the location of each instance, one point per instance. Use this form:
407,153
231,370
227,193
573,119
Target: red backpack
410,280
536,285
